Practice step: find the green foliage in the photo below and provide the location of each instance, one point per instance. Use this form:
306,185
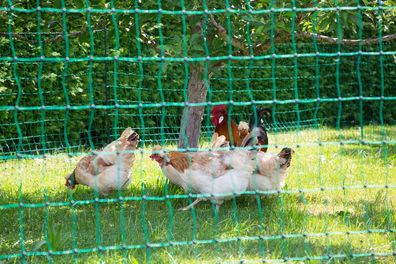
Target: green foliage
128,83
55,238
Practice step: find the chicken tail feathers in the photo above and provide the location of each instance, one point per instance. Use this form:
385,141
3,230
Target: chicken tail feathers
258,133
286,156
133,139
126,133
249,140
261,114
219,141
258,136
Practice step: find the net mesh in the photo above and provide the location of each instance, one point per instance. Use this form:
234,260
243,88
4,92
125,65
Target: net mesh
75,74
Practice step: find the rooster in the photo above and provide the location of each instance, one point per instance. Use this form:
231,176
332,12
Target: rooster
271,170
108,169
219,173
219,116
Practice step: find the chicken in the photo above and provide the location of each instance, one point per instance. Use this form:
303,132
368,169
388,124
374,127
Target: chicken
223,174
271,170
219,141
174,163
257,131
108,169
219,117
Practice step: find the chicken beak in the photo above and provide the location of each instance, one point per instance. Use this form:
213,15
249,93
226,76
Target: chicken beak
68,184
71,183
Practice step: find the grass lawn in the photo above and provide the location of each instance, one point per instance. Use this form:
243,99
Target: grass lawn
331,225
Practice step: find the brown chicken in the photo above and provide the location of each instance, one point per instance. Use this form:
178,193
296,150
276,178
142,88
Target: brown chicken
173,163
219,117
222,174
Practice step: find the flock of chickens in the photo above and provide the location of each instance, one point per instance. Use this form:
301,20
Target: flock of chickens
222,172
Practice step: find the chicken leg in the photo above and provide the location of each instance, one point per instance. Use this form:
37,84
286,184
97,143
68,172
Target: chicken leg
191,205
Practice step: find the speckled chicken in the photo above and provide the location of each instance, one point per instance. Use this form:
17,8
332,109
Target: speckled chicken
219,173
109,169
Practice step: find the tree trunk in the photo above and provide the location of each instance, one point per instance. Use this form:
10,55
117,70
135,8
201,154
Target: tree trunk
190,125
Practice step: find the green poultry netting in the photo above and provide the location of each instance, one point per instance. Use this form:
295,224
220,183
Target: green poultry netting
75,74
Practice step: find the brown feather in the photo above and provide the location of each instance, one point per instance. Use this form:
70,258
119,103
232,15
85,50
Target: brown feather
242,135
88,164
178,160
182,161
222,130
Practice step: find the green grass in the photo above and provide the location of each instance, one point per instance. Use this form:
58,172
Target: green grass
314,212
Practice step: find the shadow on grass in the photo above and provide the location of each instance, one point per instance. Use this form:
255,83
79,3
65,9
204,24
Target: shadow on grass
140,222
81,193
328,251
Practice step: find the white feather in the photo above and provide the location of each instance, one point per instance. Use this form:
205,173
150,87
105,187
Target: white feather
243,126
221,187
270,174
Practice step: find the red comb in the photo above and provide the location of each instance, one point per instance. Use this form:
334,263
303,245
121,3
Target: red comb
219,108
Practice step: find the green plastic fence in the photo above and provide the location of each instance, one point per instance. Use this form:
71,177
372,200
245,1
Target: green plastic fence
68,87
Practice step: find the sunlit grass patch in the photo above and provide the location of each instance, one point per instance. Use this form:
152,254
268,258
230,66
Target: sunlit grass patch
335,206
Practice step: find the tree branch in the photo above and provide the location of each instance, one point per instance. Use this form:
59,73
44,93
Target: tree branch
15,35
62,37
243,49
59,36
224,35
331,40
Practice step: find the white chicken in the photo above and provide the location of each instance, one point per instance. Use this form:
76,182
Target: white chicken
271,170
108,169
222,174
